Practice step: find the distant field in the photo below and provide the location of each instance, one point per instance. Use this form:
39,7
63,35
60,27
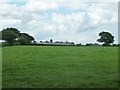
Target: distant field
60,67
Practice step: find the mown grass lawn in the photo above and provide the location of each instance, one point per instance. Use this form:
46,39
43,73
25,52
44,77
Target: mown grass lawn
60,67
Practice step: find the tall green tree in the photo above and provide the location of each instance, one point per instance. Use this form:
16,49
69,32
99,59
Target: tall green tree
9,35
106,38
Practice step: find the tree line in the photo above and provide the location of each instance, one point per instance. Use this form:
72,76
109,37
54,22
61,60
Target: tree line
13,36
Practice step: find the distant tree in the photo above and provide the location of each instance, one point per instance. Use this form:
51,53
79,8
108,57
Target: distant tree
61,42
89,44
51,40
72,43
25,38
115,45
79,44
41,41
57,42
67,42
34,42
96,44
106,38
46,41
9,35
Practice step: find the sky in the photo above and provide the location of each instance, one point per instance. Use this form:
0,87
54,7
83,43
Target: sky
61,20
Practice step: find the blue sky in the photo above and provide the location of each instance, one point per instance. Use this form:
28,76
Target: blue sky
18,4
65,20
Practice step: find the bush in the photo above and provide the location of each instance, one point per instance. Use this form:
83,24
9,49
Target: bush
3,44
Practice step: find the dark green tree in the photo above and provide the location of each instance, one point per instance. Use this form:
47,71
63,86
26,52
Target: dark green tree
25,38
106,38
72,43
51,40
9,35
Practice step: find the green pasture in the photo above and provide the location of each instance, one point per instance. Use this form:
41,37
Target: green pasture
59,67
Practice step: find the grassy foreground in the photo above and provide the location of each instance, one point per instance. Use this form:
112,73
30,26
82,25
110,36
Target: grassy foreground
60,67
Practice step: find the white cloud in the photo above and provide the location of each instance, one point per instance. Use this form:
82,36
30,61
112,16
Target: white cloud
69,23
39,5
10,11
114,19
42,19
10,16
14,0
16,23
102,13
63,0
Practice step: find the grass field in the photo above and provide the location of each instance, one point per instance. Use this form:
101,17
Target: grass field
60,67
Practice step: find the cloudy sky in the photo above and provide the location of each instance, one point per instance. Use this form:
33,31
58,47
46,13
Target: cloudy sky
67,20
